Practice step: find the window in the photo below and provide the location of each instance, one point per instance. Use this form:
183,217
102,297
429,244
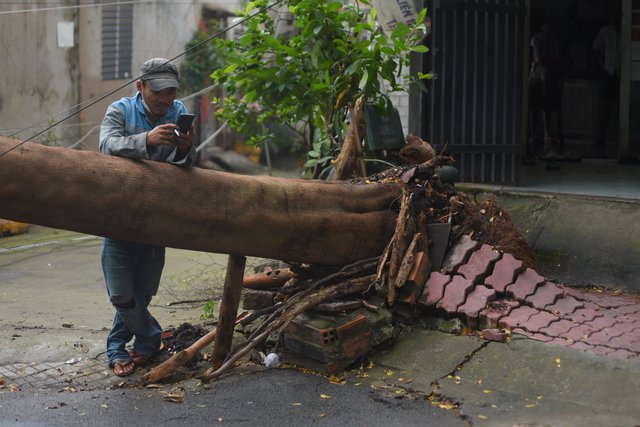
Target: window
117,41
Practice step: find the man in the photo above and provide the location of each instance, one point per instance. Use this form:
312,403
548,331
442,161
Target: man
141,127
606,47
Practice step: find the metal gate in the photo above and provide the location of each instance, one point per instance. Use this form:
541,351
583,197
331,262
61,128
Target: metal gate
475,103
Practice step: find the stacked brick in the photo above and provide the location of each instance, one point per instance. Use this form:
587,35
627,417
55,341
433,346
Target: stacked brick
492,291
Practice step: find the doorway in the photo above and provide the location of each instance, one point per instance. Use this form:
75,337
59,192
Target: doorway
586,123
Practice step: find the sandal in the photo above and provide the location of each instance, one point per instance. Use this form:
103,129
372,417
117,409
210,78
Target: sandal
123,368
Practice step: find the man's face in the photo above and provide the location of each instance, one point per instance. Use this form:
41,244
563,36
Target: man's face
158,102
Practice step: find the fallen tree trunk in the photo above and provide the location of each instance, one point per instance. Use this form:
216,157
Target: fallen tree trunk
157,203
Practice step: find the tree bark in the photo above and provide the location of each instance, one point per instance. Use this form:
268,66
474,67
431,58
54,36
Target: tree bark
193,208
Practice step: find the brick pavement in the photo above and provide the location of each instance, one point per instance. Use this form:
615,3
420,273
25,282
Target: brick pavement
490,290
72,375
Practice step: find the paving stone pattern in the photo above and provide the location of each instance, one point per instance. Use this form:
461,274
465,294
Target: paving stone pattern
80,374
489,291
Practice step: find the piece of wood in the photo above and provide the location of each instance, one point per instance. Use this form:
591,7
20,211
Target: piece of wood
179,359
293,308
350,161
228,309
407,262
334,307
268,279
314,222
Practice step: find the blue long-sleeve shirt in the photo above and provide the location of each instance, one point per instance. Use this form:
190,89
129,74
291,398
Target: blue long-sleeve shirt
124,132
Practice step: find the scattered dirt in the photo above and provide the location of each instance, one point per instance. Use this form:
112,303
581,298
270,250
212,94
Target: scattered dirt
182,337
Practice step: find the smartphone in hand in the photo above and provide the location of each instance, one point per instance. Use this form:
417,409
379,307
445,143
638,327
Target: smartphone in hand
184,122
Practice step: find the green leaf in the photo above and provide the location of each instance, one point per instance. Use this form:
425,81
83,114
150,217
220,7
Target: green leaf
420,48
363,80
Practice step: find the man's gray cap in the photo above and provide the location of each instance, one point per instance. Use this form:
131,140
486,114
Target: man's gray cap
160,74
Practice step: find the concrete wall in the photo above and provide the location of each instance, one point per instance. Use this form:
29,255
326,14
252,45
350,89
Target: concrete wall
39,79
44,82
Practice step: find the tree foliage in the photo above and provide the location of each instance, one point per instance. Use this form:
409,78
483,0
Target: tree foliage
307,80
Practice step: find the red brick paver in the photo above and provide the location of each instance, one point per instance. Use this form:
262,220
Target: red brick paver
476,301
455,294
459,254
490,316
519,299
545,295
518,317
480,264
526,284
504,273
434,289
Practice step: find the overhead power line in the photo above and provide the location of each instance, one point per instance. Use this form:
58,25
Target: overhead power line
75,6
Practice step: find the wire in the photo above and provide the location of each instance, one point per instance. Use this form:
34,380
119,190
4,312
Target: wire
196,46
77,6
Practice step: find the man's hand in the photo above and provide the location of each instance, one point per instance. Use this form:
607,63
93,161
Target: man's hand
183,141
162,135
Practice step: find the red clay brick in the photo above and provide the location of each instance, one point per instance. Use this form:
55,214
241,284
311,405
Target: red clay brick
559,328
496,310
504,273
526,284
540,320
475,302
459,254
480,264
545,295
455,293
518,318
565,305
434,289
584,315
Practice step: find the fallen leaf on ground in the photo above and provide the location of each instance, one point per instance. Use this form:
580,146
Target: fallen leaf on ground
297,404
175,398
325,396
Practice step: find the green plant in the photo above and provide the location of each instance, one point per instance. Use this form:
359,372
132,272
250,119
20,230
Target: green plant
307,81
195,70
209,311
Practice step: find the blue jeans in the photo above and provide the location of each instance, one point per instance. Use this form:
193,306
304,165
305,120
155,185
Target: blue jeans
132,273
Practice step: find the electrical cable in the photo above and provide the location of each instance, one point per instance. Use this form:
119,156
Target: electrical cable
196,46
77,6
